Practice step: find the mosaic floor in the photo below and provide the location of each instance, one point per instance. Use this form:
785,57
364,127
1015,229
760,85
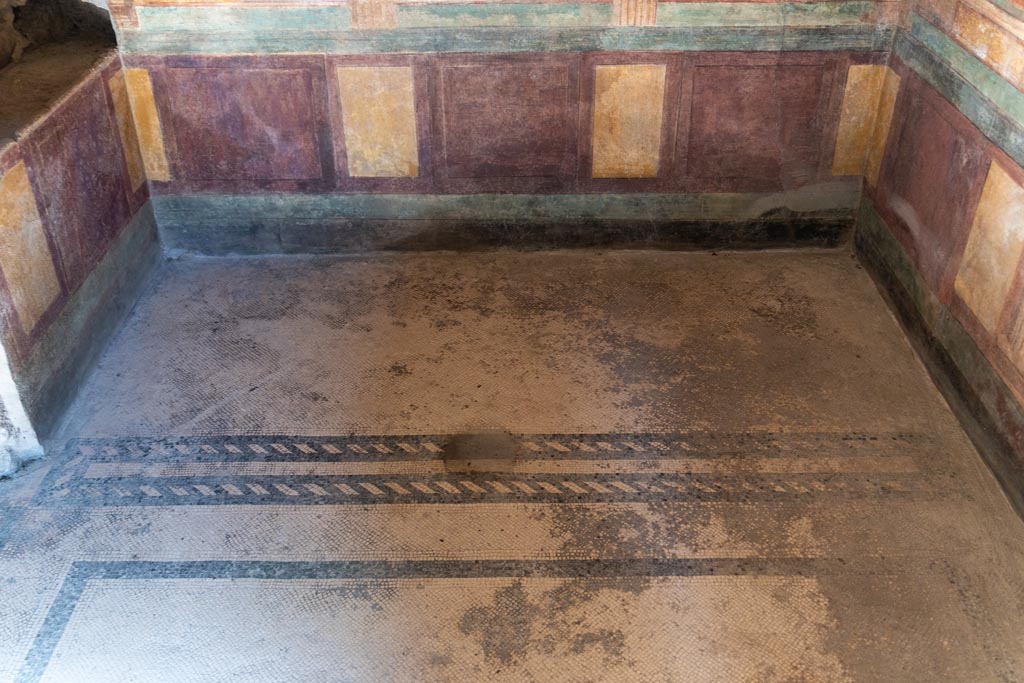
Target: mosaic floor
557,466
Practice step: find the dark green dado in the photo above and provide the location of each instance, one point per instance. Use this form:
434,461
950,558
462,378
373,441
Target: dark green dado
63,357
340,223
983,403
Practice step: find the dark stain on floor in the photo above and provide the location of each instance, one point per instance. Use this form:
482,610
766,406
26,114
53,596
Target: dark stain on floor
505,628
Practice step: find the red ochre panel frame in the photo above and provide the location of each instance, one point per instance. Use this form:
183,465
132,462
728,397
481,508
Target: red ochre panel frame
253,123
932,177
515,123
78,174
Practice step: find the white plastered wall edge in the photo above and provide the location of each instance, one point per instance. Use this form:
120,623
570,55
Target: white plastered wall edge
18,441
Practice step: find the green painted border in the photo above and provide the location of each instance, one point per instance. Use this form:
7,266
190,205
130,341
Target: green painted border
340,223
1001,92
689,14
526,14
977,94
1009,7
255,19
981,400
858,37
260,25
459,15
61,359
176,209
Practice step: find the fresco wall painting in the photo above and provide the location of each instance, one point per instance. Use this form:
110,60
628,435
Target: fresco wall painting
949,186
71,183
689,111
525,122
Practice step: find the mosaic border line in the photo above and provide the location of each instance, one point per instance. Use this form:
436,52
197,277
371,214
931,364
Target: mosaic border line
610,444
81,572
552,468
598,489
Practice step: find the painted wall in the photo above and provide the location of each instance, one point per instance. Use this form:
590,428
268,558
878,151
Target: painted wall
952,185
259,125
949,187
384,113
277,126
512,123
640,110
71,185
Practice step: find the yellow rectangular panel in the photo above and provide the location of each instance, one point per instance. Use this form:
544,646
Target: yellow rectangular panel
856,122
372,14
634,12
994,248
991,43
378,113
24,252
147,124
883,121
628,105
126,127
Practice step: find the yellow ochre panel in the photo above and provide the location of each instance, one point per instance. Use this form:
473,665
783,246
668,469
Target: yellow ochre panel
628,104
24,252
634,12
883,121
379,119
126,127
372,14
994,248
869,99
147,124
